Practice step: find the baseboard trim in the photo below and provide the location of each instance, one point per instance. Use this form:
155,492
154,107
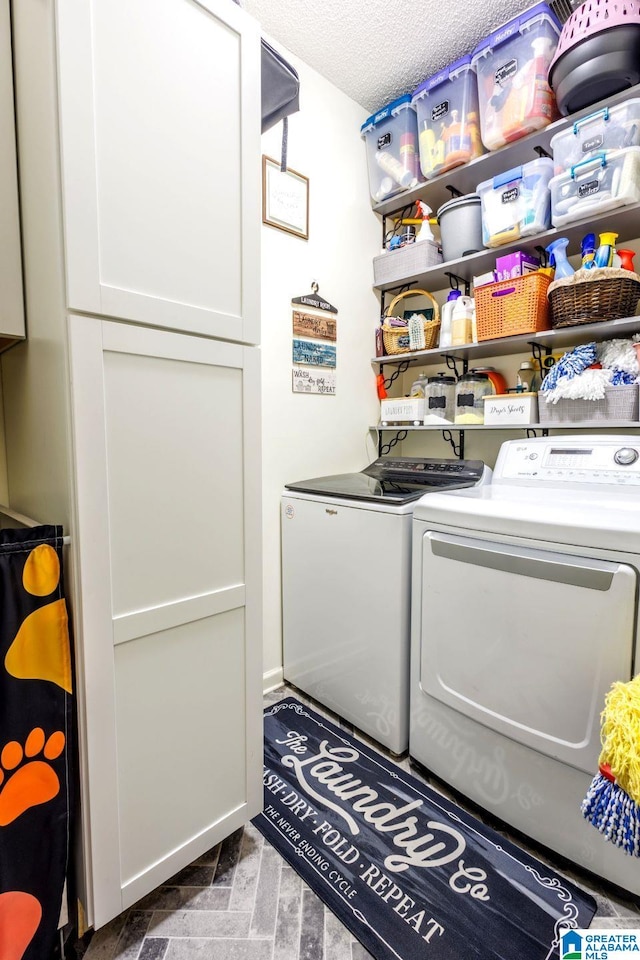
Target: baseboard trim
272,679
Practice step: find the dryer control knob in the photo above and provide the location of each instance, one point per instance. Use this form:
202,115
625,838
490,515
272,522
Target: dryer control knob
625,456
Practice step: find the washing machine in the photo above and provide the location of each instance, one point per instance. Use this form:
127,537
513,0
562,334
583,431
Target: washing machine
525,603
346,585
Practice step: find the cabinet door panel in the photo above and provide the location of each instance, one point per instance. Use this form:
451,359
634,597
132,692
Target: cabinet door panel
159,105
168,528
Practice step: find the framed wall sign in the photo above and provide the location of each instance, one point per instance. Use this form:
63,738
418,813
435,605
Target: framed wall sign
285,199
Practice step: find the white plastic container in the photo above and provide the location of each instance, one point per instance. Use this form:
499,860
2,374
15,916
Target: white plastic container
516,203
448,124
605,181
510,408
391,138
446,316
612,128
462,321
512,65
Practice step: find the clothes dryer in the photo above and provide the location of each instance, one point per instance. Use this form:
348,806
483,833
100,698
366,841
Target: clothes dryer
346,587
524,613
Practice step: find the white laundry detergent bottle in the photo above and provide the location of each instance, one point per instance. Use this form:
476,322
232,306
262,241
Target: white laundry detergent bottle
446,317
462,321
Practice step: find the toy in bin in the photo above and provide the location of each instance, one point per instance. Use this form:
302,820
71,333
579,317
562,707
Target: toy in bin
512,66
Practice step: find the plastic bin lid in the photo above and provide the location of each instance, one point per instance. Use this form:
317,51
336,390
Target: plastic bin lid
448,73
513,27
391,108
605,114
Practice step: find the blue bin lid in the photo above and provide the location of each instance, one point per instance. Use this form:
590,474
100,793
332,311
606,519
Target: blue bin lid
464,63
513,27
391,108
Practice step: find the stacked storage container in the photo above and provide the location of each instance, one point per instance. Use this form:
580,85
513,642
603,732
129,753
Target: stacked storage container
597,164
391,138
447,111
512,66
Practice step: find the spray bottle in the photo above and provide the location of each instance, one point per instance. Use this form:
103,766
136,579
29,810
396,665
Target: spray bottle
558,251
424,232
588,250
604,253
626,259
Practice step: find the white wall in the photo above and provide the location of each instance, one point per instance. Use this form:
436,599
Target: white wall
310,435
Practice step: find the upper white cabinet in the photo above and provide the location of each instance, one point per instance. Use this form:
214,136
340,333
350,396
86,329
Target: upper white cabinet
11,297
159,114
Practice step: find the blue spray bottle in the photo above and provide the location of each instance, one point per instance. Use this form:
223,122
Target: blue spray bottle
557,251
588,251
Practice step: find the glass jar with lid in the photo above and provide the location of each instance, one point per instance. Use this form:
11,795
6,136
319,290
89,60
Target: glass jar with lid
470,389
439,394
418,386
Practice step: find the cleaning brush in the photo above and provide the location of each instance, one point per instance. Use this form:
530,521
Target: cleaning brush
612,803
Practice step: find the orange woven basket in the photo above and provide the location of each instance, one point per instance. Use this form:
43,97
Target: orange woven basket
512,307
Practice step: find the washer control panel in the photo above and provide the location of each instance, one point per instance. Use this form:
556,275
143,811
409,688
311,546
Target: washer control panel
593,459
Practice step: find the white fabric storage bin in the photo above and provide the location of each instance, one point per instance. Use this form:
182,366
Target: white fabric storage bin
603,182
618,403
511,408
402,410
396,265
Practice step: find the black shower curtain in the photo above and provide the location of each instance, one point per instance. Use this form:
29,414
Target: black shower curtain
36,692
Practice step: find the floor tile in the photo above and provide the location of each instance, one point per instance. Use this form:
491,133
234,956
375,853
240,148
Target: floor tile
312,926
241,901
219,950
287,933
199,923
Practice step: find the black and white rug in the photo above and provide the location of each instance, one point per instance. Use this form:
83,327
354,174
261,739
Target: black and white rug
409,873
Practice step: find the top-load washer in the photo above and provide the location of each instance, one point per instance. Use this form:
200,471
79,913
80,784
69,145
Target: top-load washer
525,603
346,583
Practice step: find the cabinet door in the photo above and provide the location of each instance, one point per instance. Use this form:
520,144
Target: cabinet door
160,138
166,436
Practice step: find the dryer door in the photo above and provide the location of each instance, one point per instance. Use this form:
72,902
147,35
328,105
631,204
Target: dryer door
525,641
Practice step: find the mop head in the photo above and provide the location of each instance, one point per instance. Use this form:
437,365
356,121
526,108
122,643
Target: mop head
612,803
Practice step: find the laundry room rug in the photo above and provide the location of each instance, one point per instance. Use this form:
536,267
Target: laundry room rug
406,870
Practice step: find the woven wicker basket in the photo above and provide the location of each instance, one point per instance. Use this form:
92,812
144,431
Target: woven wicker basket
512,307
590,296
618,403
396,339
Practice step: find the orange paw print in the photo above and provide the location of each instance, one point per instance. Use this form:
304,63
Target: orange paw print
27,784
20,916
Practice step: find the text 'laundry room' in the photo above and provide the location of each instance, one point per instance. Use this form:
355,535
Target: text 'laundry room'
319,480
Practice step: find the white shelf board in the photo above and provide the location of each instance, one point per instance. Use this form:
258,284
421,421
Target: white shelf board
466,178
591,425
625,221
556,339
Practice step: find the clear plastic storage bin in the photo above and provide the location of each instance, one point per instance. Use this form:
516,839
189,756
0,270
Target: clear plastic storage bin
516,203
391,137
512,66
448,126
611,128
607,180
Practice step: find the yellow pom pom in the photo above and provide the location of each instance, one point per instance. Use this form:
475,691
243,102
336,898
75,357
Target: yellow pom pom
621,735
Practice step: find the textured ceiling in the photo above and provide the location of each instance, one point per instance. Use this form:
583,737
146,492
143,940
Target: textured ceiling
376,50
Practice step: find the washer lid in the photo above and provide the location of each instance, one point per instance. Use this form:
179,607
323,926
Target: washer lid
608,519
395,479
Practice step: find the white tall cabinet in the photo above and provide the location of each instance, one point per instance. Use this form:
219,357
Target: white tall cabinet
132,411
